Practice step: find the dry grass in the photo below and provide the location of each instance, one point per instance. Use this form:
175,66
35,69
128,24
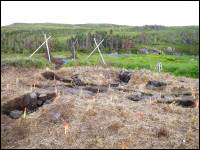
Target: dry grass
104,120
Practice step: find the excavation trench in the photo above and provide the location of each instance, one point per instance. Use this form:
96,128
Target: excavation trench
180,96
31,101
75,86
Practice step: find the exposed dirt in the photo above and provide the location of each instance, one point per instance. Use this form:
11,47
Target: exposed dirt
96,107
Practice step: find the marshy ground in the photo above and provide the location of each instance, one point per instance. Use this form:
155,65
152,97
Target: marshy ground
98,107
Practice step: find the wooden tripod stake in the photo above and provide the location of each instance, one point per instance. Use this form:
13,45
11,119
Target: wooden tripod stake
97,47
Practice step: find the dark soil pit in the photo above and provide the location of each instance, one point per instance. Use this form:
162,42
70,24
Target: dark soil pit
49,75
186,101
124,76
31,101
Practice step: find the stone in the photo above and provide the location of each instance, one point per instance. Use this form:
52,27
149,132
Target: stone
42,95
154,51
169,50
135,97
156,96
144,50
55,116
33,95
114,84
15,114
96,89
47,102
124,76
77,81
114,54
186,101
167,99
155,84
30,101
39,102
49,75
139,96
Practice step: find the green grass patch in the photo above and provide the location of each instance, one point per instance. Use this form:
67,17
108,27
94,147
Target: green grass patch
185,65
23,61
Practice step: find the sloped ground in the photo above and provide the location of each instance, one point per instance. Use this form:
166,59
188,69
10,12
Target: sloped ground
99,108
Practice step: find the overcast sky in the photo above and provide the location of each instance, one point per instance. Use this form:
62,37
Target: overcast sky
178,13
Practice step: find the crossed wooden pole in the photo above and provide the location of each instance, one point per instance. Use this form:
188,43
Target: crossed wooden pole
46,41
97,47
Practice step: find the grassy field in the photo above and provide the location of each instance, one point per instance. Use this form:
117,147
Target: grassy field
184,65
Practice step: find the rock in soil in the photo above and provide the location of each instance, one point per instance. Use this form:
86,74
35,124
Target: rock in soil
135,97
39,103
47,102
155,84
42,95
124,76
55,116
96,89
186,101
139,96
15,114
77,81
30,101
165,101
168,99
49,75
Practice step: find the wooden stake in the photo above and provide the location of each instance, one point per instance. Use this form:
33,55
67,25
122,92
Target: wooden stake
56,90
39,47
124,146
24,116
17,82
74,48
197,103
99,51
47,47
94,49
66,126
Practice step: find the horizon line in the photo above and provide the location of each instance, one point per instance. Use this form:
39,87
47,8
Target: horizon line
95,23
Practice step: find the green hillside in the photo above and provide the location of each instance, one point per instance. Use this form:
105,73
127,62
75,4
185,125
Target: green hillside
25,38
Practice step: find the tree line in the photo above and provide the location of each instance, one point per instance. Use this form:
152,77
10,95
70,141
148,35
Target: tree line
24,41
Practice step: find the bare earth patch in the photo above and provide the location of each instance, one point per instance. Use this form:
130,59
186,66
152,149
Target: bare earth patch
98,107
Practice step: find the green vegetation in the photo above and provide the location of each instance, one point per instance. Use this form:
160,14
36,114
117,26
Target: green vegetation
20,60
19,40
25,38
177,65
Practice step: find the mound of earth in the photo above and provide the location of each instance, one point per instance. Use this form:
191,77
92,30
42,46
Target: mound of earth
97,107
